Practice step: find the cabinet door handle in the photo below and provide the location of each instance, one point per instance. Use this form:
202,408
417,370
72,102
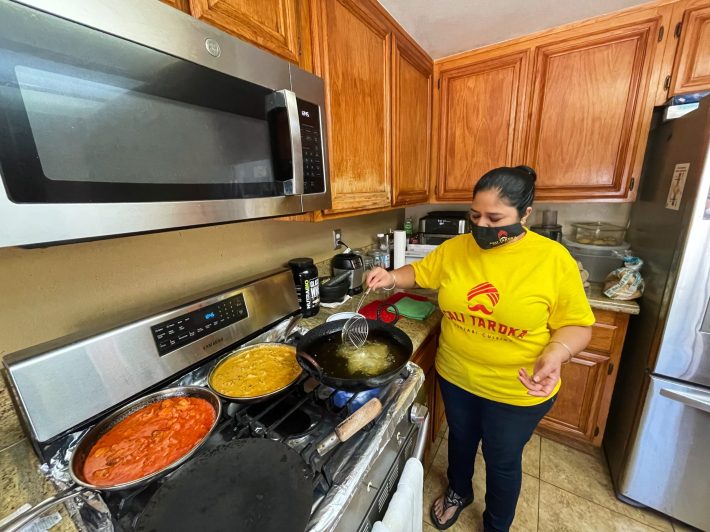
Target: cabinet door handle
690,399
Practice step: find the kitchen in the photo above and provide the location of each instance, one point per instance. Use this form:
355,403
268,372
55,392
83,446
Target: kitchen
407,126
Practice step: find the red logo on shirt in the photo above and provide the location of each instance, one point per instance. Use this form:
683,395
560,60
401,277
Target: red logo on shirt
475,295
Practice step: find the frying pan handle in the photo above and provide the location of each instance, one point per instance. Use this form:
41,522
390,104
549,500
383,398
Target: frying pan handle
358,419
389,308
308,362
20,521
350,426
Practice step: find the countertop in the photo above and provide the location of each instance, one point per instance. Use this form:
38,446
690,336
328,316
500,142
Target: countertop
598,300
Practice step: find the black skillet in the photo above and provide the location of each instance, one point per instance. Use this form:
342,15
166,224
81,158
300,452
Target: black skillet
317,355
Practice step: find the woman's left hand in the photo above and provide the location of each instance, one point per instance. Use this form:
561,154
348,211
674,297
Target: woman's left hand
545,375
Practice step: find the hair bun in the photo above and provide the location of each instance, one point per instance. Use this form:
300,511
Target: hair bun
529,171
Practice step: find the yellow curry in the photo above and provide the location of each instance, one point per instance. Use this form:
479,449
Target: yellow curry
256,371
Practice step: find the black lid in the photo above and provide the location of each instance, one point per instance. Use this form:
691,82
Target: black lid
447,214
301,262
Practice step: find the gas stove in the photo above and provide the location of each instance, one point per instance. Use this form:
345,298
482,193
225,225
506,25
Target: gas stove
352,484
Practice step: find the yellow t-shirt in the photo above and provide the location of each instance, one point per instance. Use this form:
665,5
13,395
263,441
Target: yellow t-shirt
499,306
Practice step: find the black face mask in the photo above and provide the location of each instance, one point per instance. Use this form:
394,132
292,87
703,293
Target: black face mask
491,237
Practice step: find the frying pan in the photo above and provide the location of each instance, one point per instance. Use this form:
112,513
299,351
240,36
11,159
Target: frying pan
256,398
316,355
244,485
87,441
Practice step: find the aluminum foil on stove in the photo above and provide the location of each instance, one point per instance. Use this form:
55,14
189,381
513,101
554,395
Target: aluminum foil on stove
395,406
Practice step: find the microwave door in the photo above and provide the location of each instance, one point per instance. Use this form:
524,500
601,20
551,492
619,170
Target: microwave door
286,149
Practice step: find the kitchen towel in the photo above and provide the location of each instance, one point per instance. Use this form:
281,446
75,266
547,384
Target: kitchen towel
416,310
404,513
400,247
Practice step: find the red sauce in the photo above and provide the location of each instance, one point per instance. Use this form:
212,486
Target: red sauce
148,440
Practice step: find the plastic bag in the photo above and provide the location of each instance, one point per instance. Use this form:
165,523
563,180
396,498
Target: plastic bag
625,283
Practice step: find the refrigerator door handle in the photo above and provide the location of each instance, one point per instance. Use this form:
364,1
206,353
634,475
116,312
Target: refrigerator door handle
689,399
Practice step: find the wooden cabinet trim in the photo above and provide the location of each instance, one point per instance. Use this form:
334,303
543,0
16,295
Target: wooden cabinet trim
518,63
282,41
401,51
683,78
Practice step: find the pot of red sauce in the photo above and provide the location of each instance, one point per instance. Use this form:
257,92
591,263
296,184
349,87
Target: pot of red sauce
168,426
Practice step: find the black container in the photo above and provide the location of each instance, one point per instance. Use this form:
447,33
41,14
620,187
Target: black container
305,276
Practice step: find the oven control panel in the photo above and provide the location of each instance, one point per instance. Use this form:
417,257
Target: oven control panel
181,330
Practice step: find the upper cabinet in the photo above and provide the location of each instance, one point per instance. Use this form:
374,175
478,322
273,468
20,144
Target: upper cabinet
691,65
573,103
378,104
590,111
270,24
356,61
411,124
481,115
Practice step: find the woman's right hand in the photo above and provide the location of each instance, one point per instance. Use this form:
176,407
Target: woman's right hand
380,278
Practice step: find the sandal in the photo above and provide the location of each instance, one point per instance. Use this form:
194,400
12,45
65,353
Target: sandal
450,499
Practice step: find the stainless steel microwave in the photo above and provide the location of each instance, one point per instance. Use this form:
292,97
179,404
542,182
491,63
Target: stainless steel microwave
126,117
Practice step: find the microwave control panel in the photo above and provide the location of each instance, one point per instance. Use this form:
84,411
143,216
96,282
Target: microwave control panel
312,145
181,330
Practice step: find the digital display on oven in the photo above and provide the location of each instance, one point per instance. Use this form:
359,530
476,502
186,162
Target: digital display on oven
182,330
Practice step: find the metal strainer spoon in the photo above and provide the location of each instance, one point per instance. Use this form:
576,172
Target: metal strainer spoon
356,328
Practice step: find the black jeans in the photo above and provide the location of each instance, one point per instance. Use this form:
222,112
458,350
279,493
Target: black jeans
504,429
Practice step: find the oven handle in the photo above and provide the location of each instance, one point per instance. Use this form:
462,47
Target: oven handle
419,415
294,130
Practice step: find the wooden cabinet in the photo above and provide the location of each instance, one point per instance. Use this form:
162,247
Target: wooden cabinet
590,111
575,103
691,66
270,24
481,115
411,124
582,405
424,358
182,5
356,69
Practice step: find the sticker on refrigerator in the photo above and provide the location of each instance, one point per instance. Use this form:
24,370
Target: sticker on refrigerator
675,193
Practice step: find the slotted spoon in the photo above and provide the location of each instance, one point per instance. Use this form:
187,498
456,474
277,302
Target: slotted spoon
356,328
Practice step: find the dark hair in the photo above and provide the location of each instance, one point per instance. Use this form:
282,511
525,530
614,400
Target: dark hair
516,186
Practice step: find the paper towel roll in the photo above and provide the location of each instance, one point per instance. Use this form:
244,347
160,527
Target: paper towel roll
400,246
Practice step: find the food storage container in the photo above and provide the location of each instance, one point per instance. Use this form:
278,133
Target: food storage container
600,260
598,233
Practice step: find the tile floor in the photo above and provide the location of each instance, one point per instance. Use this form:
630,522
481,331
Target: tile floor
563,490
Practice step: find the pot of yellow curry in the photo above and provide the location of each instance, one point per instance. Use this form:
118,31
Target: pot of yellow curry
255,373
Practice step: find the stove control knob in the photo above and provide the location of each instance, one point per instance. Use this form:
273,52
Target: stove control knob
399,438
369,487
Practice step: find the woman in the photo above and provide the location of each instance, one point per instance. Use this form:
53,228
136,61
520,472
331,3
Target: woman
514,312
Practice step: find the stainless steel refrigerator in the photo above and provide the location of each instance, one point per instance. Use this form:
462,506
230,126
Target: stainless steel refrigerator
657,440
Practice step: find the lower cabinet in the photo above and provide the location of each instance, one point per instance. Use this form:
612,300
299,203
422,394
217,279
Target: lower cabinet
424,358
582,406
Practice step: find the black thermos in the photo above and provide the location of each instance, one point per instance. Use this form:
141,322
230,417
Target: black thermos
305,275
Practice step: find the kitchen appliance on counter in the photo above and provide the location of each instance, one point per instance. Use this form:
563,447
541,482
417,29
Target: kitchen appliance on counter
549,226
111,127
64,387
657,436
353,264
438,226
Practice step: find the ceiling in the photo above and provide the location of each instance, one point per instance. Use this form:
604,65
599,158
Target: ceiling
445,27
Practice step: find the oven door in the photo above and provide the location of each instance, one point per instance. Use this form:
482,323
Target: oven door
100,135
